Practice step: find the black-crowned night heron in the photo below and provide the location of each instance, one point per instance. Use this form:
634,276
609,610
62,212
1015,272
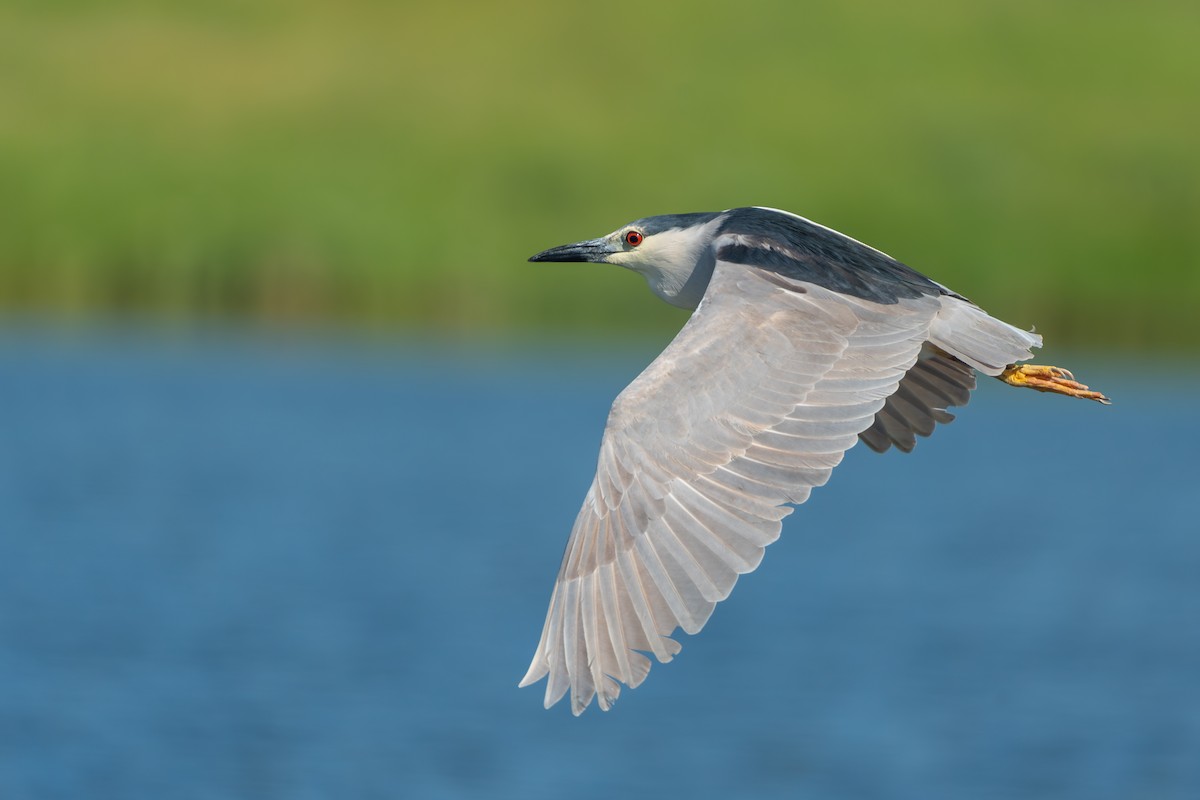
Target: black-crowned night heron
803,341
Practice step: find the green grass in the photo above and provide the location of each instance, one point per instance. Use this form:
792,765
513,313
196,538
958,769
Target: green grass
394,164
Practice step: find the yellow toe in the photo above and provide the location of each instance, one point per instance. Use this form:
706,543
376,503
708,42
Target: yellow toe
1055,380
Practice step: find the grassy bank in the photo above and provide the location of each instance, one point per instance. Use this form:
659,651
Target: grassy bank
395,163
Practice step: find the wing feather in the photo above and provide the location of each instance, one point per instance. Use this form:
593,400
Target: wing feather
934,383
751,406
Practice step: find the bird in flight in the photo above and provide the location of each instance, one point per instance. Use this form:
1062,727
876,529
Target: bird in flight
802,342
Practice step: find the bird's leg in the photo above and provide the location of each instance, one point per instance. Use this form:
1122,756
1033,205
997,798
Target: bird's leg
1049,379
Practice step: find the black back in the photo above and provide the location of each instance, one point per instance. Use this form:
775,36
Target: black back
803,250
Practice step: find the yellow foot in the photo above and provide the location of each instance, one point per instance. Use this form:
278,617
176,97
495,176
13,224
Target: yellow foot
1049,379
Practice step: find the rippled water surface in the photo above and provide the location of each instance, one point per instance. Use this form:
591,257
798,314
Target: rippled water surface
241,567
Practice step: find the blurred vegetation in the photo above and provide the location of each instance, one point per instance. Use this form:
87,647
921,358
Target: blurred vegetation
394,163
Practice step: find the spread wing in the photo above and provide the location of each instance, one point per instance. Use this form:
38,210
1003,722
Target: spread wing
751,406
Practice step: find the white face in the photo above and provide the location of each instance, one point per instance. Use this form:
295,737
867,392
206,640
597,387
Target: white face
671,250
666,259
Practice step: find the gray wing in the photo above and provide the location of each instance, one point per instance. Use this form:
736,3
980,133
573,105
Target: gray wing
962,339
750,407
936,382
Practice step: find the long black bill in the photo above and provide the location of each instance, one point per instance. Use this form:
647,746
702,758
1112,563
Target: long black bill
592,250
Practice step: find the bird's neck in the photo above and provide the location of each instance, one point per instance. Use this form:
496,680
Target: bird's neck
682,287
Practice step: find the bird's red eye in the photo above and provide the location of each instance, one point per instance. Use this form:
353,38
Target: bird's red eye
633,238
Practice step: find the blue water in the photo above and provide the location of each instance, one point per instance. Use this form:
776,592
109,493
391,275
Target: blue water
239,566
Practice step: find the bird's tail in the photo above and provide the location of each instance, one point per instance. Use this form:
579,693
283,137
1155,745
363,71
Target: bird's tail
971,335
